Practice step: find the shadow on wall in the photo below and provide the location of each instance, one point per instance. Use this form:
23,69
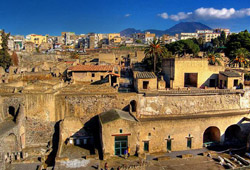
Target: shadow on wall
212,81
93,128
55,141
87,138
102,81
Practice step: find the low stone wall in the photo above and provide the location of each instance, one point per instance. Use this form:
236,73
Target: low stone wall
186,105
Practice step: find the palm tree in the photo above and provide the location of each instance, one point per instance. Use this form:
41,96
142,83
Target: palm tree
214,58
241,57
155,50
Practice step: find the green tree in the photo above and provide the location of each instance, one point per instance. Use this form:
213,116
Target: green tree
216,42
155,52
5,60
183,47
223,38
237,41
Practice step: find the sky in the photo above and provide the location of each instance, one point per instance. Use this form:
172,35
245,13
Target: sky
108,16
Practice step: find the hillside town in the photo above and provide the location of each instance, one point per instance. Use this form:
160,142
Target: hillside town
113,101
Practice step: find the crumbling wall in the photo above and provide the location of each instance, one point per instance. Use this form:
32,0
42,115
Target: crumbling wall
186,105
87,106
38,132
40,106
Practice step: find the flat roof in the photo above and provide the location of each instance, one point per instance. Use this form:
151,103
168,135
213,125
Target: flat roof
230,74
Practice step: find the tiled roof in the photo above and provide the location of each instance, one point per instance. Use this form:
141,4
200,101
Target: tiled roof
91,68
145,75
230,74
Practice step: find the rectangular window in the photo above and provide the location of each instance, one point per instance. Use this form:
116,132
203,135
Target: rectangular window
101,77
146,146
145,84
93,74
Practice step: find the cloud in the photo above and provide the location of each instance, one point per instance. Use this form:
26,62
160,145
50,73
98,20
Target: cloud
127,15
208,13
163,15
215,13
180,16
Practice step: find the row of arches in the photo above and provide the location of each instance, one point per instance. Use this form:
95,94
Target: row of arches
213,134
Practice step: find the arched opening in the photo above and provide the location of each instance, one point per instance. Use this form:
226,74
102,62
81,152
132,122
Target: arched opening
211,135
133,105
12,111
233,135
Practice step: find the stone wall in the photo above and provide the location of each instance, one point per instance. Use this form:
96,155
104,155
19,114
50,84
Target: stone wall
87,106
40,106
188,105
38,133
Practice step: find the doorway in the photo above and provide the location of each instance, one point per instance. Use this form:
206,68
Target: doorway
145,84
121,144
190,79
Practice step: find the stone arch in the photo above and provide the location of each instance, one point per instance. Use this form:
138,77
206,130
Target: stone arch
233,133
12,111
133,105
211,134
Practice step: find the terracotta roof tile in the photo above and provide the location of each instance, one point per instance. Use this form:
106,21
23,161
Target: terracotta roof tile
145,75
91,68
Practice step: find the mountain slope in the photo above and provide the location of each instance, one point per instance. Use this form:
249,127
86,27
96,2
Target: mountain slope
187,27
176,29
129,31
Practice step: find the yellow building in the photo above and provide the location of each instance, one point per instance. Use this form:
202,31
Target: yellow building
36,39
190,72
230,80
114,38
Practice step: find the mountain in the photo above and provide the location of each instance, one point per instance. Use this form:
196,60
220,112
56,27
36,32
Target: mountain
186,27
176,29
127,32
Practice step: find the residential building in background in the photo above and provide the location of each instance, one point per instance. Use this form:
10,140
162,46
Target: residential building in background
185,36
36,39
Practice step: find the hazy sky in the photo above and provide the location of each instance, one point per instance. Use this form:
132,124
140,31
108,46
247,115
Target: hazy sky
105,16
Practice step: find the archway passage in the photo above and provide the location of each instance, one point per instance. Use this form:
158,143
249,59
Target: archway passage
233,133
211,134
12,111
